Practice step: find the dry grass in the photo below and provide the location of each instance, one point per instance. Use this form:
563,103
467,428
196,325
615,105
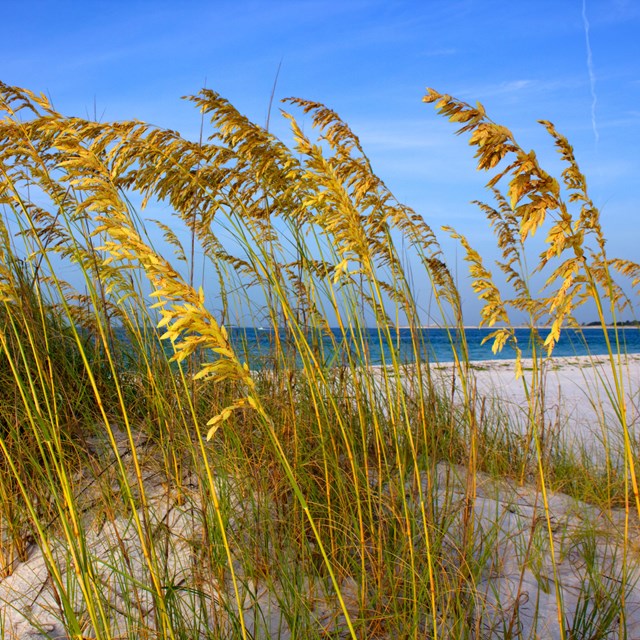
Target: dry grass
314,485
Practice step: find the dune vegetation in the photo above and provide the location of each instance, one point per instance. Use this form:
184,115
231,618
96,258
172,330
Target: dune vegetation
171,490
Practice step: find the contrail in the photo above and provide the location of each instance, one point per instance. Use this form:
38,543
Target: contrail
592,77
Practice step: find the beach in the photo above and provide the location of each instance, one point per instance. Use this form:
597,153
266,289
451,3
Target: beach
513,514
579,396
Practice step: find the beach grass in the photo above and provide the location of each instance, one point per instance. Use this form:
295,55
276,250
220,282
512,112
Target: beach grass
169,489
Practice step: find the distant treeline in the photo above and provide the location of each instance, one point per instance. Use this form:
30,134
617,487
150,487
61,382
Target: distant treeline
626,323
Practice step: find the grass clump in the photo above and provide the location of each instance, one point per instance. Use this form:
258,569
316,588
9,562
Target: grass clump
179,481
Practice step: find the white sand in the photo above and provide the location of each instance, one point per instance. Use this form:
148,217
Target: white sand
578,393
514,589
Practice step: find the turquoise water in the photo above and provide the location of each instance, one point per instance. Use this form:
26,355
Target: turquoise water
256,345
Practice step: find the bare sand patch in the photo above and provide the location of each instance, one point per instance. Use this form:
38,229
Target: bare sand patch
580,396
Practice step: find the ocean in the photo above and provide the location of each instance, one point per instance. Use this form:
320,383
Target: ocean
256,344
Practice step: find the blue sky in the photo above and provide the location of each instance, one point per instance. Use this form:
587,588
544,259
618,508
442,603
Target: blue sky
370,61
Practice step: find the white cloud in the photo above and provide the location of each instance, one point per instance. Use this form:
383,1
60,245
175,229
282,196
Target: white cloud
437,53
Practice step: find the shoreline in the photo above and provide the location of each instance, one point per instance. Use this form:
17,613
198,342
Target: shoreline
546,327
553,362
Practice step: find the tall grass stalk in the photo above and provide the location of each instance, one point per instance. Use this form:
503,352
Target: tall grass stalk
179,484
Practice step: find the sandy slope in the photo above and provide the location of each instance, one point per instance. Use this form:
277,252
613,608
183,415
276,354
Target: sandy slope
517,586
